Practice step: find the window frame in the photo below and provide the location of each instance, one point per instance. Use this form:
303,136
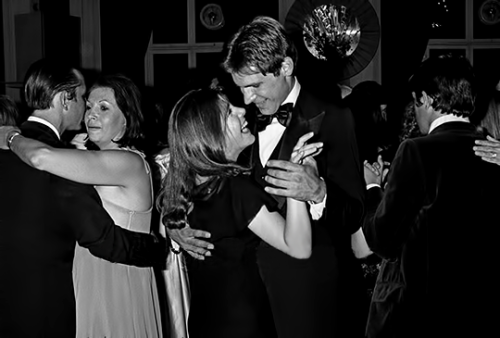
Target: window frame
469,43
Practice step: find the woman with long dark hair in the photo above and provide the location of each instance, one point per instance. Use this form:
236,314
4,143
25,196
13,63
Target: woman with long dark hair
206,188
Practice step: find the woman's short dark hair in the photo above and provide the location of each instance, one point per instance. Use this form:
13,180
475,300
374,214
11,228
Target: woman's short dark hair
128,99
47,77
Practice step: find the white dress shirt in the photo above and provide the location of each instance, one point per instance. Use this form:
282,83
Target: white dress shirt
45,122
270,137
446,118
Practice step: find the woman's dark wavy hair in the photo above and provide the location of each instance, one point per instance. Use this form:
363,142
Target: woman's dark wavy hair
128,99
47,77
9,114
260,45
491,120
196,138
449,81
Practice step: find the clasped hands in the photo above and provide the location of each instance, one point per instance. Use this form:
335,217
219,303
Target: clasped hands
488,150
376,173
297,178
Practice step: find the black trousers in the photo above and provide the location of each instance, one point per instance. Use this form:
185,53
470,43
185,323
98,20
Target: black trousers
302,293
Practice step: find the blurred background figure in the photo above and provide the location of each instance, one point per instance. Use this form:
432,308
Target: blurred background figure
489,125
368,103
9,114
409,126
491,120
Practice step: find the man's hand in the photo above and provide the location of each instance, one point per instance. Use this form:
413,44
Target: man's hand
5,132
187,238
489,150
304,151
79,141
298,181
375,173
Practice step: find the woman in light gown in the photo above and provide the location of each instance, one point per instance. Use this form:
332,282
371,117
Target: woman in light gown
112,300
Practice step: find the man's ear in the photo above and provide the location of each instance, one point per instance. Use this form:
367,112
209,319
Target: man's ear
287,66
64,100
422,100
426,100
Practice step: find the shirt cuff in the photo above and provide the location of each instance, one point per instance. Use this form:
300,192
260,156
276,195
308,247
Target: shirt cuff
316,209
371,185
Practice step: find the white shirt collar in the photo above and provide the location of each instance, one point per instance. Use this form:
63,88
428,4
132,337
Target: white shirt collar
294,93
446,118
45,122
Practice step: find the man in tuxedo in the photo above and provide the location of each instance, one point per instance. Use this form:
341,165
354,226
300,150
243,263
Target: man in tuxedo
43,216
434,221
315,297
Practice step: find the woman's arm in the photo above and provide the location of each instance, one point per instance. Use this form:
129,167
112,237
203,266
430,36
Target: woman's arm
106,167
293,237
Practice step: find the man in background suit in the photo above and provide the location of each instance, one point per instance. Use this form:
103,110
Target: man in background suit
43,216
434,222
319,296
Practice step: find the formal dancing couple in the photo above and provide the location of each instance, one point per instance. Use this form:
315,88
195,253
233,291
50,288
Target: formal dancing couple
279,201
53,198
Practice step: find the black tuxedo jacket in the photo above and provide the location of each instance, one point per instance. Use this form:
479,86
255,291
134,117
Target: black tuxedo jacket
42,217
436,226
305,294
338,165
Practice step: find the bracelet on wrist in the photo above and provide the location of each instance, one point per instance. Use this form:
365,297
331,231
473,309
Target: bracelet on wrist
11,137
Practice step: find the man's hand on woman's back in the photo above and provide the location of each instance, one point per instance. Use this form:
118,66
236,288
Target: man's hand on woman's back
188,239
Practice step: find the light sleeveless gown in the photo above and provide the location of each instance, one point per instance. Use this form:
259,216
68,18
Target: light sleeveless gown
116,300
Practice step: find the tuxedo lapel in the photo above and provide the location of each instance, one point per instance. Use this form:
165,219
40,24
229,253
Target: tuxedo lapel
42,133
297,128
283,151
258,170
300,124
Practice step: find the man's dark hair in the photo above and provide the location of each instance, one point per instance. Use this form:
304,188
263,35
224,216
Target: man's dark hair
262,45
45,78
449,81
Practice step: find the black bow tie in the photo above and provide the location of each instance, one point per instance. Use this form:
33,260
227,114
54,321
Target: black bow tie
283,115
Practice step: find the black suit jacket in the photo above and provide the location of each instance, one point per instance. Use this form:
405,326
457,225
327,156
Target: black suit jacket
305,294
436,226
338,165
42,217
